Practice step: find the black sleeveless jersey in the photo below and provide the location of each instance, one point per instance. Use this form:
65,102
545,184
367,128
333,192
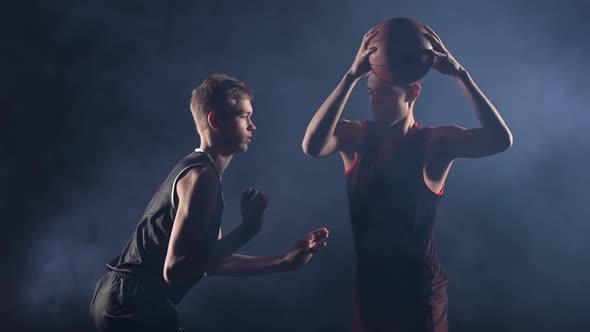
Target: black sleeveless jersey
145,252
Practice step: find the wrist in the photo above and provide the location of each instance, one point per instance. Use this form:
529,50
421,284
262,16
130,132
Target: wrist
247,232
284,265
351,77
460,73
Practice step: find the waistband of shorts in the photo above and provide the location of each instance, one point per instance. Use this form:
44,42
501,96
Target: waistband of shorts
140,276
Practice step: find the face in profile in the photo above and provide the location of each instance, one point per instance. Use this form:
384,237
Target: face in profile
236,127
389,103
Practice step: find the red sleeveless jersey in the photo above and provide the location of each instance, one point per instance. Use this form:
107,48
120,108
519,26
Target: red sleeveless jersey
400,281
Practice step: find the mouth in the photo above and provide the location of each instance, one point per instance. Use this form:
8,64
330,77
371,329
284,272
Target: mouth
249,139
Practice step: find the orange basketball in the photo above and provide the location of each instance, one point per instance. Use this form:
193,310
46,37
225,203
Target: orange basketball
403,53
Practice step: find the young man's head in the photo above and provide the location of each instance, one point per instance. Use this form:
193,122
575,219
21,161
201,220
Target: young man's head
391,103
222,110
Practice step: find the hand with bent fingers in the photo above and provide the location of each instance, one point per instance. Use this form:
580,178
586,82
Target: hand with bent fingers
444,61
253,205
361,65
304,250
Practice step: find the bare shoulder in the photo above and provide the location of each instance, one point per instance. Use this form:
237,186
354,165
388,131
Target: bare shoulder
438,134
202,179
457,142
437,138
349,126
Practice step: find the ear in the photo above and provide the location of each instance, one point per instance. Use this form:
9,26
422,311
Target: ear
213,121
413,91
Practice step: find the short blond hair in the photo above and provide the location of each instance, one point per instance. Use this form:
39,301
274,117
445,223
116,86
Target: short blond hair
217,93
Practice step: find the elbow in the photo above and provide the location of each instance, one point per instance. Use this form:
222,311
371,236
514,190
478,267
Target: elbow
168,274
171,271
177,271
502,143
507,141
310,149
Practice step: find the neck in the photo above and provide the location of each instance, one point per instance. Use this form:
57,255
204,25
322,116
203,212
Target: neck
400,127
220,160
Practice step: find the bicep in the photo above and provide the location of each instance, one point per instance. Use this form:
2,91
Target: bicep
345,138
458,142
197,193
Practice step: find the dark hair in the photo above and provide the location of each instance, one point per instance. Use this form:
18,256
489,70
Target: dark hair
217,93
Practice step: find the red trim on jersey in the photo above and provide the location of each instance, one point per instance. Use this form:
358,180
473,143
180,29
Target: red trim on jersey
357,156
354,163
442,190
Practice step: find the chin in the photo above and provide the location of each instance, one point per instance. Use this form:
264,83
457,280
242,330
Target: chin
242,148
387,120
384,120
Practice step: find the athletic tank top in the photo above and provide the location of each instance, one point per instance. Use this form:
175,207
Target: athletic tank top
392,213
145,252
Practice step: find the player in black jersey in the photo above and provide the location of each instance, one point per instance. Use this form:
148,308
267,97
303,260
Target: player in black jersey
178,240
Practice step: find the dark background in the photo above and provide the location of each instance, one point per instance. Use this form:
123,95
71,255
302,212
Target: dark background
94,104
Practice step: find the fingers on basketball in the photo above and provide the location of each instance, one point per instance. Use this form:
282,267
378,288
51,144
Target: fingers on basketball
369,36
432,33
370,50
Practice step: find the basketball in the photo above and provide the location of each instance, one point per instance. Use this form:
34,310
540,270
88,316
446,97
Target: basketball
403,53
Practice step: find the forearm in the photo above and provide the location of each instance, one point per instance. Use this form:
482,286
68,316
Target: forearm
323,123
183,269
488,116
229,244
243,266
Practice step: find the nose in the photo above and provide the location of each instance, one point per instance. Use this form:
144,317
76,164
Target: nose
251,126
